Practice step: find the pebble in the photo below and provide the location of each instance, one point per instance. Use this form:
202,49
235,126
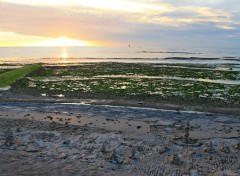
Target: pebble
225,149
175,159
116,159
194,173
32,147
62,156
18,130
138,127
237,146
9,138
161,149
66,142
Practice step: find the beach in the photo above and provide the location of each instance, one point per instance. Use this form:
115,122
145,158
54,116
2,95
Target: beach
109,119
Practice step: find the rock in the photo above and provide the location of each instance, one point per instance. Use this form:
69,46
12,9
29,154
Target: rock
138,127
161,149
175,160
226,172
18,130
32,147
209,148
9,138
66,142
19,142
140,148
194,173
225,149
12,148
62,156
116,159
133,153
237,146
103,149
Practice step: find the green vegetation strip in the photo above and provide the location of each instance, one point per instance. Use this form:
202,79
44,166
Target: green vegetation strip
9,77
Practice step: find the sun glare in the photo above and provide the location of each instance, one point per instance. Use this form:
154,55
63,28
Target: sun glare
63,41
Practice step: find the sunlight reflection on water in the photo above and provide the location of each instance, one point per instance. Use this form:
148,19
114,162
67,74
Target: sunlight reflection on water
64,56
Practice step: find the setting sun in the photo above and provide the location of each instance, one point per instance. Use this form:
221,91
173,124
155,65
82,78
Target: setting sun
63,41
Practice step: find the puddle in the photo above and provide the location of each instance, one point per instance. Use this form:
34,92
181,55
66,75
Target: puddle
60,96
5,88
64,78
231,82
77,78
236,69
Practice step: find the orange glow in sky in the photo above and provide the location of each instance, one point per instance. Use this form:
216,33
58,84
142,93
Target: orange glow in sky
119,22
63,41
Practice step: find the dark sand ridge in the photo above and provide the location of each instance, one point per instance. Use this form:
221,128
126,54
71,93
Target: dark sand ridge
7,96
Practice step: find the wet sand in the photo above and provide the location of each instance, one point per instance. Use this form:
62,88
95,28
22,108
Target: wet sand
87,139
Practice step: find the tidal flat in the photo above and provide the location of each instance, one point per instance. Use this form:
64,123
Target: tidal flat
214,85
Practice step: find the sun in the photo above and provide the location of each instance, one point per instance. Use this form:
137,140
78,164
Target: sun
62,41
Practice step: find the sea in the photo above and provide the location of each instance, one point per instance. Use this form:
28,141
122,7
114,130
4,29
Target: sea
73,55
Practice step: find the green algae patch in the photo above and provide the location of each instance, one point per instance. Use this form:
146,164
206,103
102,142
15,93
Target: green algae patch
7,78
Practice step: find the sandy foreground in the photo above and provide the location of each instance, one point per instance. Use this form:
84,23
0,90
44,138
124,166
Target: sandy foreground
87,139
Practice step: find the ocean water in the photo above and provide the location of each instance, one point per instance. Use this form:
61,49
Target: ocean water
117,54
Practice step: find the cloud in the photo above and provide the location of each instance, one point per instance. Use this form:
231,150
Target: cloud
121,20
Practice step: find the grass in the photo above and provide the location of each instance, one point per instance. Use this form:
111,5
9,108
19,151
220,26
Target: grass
4,70
56,80
7,78
97,69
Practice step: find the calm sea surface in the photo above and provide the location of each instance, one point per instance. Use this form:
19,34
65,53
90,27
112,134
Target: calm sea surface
116,54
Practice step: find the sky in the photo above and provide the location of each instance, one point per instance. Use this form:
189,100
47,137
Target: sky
170,23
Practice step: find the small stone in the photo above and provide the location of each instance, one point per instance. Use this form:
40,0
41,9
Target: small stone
138,127
18,130
62,156
19,143
133,153
115,158
237,146
103,149
225,149
175,160
9,138
161,149
194,173
209,148
32,147
66,142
